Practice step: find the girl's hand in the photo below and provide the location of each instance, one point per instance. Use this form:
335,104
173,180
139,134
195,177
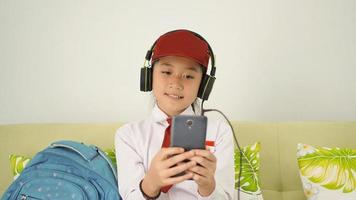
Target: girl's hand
167,163
204,172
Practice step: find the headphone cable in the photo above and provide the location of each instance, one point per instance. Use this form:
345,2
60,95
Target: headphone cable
203,111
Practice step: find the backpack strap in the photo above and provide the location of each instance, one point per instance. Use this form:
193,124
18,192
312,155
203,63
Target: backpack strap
80,148
87,152
103,154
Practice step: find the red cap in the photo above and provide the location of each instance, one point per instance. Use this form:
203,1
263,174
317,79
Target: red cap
182,43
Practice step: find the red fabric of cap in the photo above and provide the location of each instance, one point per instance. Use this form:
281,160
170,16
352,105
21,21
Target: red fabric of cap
182,43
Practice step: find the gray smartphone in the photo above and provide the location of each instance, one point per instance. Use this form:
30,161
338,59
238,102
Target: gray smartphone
188,131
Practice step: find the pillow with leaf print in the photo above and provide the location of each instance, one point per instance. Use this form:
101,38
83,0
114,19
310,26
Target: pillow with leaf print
327,173
19,162
249,182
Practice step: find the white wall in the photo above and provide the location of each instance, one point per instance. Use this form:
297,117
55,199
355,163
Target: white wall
79,61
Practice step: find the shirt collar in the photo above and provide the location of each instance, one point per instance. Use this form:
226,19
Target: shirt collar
159,116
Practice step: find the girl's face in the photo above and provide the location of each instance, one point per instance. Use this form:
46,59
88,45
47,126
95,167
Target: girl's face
176,83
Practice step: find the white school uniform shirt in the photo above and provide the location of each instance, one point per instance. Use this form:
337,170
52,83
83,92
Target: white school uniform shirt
137,143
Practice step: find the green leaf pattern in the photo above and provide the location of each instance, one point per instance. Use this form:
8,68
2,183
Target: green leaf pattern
111,154
332,168
250,169
17,164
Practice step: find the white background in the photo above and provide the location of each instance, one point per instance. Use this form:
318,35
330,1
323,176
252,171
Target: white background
79,61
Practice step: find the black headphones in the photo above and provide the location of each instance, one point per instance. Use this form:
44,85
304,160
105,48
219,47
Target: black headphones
206,84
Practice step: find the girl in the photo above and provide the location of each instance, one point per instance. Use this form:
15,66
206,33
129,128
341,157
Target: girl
146,165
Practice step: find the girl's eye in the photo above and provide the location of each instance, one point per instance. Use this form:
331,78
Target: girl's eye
187,76
166,72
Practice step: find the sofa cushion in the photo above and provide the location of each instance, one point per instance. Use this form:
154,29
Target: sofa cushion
266,133
249,180
327,173
17,164
340,134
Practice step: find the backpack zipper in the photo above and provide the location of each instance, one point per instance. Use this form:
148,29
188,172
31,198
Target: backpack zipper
24,197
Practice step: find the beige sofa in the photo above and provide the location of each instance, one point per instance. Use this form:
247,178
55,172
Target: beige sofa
279,175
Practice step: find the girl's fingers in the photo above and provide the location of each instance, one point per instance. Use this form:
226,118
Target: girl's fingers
204,162
200,171
178,158
178,179
179,168
206,154
165,153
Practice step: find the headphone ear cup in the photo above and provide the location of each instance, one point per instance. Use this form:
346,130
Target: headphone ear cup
146,79
206,86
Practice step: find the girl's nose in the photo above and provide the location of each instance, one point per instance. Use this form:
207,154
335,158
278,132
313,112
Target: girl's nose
175,83
175,86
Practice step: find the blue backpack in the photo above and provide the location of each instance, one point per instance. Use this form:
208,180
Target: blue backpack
66,170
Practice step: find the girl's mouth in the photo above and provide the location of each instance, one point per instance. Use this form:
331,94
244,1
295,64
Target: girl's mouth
174,96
